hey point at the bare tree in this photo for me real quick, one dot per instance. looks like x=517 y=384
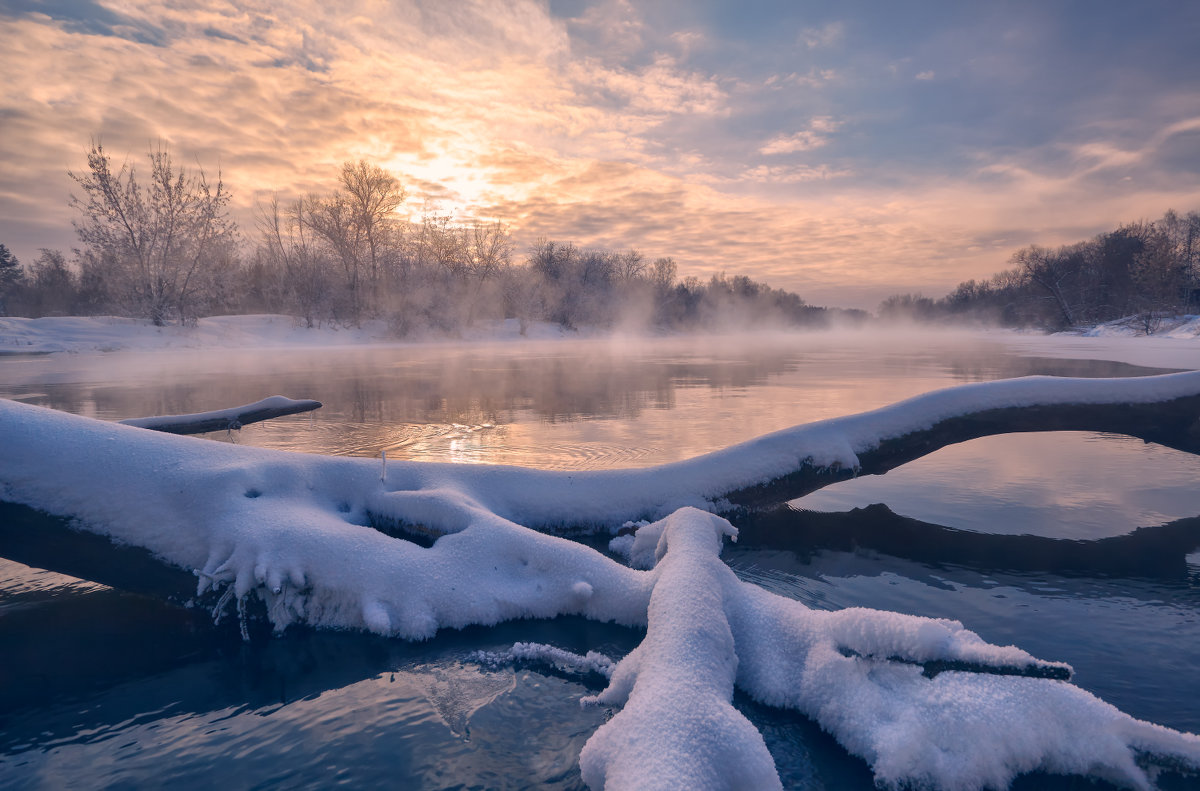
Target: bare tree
x=158 y=237
x=631 y=265
x=372 y=195
x=488 y=249
x=357 y=223
x=289 y=247
x=1053 y=272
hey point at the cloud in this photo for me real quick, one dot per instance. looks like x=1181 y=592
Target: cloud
x=816 y=135
x=827 y=35
x=794 y=174
x=626 y=124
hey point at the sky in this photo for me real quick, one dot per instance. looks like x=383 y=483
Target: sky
x=844 y=150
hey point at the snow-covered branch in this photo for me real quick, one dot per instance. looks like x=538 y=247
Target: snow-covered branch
x=225 y=419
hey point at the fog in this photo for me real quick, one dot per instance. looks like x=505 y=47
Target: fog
x=613 y=400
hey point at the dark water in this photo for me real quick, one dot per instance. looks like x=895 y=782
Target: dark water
x=100 y=688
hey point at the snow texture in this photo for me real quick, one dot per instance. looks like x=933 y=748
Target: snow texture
x=294 y=531
x=678 y=727
x=540 y=653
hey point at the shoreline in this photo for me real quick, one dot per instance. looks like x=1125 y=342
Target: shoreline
x=1177 y=346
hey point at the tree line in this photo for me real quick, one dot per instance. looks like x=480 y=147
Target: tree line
x=1142 y=272
x=165 y=248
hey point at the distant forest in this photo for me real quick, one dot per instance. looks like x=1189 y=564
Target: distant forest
x=163 y=247
x=1142 y=273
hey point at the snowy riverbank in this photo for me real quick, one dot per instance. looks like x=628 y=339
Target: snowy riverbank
x=1176 y=345
x=113 y=333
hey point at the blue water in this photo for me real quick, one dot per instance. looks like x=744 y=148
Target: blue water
x=100 y=688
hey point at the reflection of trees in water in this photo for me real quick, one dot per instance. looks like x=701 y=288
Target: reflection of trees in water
x=425 y=384
x=389 y=397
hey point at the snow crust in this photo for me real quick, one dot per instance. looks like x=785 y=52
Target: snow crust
x=293 y=530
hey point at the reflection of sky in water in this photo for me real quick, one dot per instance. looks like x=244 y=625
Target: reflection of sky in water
x=566 y=405
x=1063 y=484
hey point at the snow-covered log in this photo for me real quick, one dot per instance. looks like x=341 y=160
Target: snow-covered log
x=678 y=727
x=926 y=702
x=94 y=471
x=1160 y=409
x=225 y=419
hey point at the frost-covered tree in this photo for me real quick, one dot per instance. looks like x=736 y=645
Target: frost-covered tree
x=157 y=237
x=358 y=225
x=373 y=195
x=295 y=262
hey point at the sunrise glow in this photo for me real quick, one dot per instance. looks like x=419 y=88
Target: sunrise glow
x=845 y=151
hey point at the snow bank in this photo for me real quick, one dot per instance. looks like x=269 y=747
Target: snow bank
x=112 y=333
x=1134 y=326
x=293 y=530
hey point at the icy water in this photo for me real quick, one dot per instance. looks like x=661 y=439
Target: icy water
x=104 y=689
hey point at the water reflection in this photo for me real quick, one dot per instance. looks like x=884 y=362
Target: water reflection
x=1160 y=552
x=1065 y=484
x=566 y=405
x=107 y=688
x=195 y=707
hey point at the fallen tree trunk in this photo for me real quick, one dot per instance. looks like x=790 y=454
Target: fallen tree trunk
x=225 y=419
x=1173 y=423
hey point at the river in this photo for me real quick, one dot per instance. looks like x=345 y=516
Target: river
x=100 y=688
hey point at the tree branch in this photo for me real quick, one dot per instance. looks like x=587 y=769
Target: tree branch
x=225 y=419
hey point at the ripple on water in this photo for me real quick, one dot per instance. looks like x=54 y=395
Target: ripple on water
x=478 y=443
x=430 y=725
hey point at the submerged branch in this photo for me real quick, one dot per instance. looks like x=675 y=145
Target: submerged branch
x=1158 y=552
x=225 y=419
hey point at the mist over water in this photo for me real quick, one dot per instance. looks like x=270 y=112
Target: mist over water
x=111 y=689
x=611 y=402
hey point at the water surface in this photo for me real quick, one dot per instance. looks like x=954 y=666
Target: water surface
x=105 y=688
